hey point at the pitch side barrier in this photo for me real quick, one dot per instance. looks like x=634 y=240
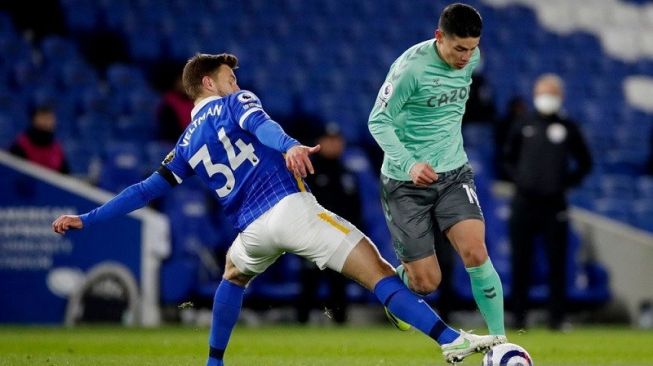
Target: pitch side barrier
x=85 y=275
x=625 y=251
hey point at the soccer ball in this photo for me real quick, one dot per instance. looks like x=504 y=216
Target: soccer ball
x=507 y=354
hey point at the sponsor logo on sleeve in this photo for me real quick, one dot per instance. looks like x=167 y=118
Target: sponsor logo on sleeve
x=168 y=157
x=387 y=89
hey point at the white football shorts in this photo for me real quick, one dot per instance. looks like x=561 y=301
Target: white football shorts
x=296 y=224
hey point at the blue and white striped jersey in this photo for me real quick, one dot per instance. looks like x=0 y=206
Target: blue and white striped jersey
x=220 y=147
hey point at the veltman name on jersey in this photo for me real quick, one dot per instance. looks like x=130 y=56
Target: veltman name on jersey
x=215 y=111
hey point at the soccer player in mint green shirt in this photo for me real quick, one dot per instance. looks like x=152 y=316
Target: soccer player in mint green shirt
x=428 y=186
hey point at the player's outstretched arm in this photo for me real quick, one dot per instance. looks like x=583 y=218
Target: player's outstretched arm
x=272 y=135
x=131 y=198
x=66 y=222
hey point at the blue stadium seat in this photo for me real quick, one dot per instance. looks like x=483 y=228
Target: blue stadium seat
x=94 y=126
x=198 y=238
x=278 y=284
x=643 y=214
x=123 y=77
x=332 y=63
x=630 y=160
x=57 y=50
x=178 y=280
x=138 y=115
x=76 y=75
x=25 y=73
x=15 y=105
x=155 y=152
x=18 y=48
x=114 y=13
x=94 y=100
x=146 y=45
x=136 y=128
x=45 y=95
x=497 y=212
x=645 y=187
x=617 y=186
x=192 y=225
x=184 y=46
x=80 y=15
x=587 y=280
x=80 y=157
x=582 y=198
x=122 y=166
x=8 y=129
x=6 y=24
x=615 y=208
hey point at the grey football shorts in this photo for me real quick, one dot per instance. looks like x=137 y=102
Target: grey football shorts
x=418 y=216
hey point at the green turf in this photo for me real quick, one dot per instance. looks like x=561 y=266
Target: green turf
x=378 y=346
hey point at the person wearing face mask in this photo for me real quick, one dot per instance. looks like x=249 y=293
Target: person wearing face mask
x=544 y=155
x=37 y=143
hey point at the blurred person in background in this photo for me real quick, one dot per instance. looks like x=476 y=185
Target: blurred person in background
x=173 y=114
x=516 y=111
x=545 y=155
x=480 y=105
x=336 y=188
x=38 y=143
x=427 y=182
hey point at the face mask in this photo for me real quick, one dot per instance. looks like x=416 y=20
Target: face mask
x=547 y=104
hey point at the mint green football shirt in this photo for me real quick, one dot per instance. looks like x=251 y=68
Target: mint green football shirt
x=418 y=112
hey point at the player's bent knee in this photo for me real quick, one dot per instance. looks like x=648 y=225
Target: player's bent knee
x=425 y=287
x=378 y=266
x=365 y=265
x=475 y=256
x=237 y=278
x=232 y=274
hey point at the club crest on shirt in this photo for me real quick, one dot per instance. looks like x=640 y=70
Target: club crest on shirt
x=246 y=97
x=556 y=132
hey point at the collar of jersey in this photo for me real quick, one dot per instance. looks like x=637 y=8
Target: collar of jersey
x=436 y=54
x=201 y=105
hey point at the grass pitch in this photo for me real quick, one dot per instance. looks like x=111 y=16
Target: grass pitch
x=314 y=346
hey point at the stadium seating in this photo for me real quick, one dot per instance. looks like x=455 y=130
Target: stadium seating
x=323 y=55
x=122 y=166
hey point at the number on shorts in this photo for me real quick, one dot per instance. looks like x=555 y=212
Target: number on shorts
x=471 y=194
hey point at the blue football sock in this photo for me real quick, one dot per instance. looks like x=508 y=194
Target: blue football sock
x=408 y=307
x=226 y=309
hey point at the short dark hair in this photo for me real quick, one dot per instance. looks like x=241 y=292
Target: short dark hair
x=201 y=65
x=42 y=109
x=460 y=20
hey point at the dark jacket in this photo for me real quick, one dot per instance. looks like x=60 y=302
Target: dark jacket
x=546 y=155
x=336 y=188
